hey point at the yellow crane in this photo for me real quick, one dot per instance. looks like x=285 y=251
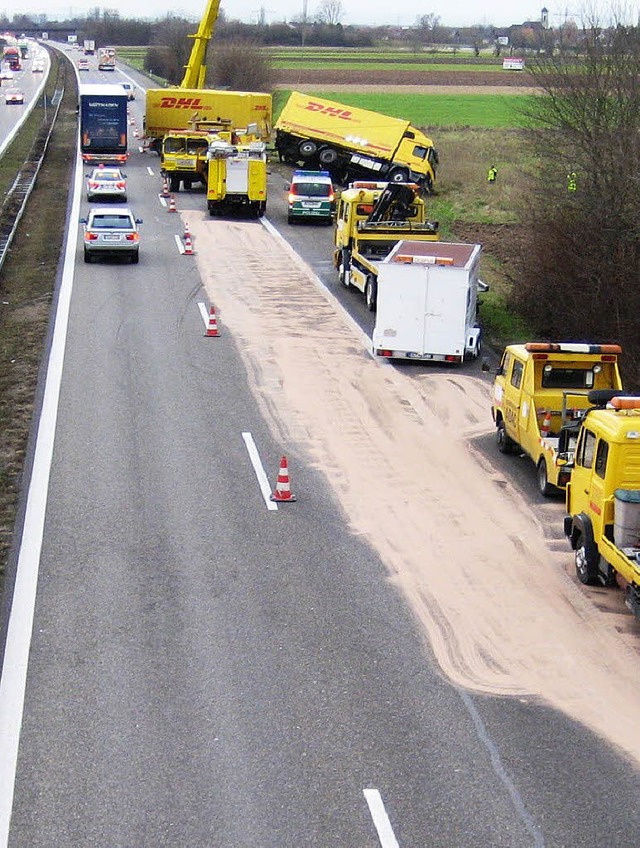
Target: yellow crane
x=196 y=70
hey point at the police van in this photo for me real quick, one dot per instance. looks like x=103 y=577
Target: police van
x=311 y=196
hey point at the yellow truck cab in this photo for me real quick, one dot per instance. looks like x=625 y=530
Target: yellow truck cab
x=183 y=157
x=603 y=499
x=540 y=394
x=371 y=219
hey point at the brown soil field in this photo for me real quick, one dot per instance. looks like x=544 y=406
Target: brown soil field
x=480 y=80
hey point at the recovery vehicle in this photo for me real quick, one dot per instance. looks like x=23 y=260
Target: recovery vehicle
x=540 y=395
x=237 y=177
x=371 y=219
x=353 y=143
x=427 y=302
x=603 y=498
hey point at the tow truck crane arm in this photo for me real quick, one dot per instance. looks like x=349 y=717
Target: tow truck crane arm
x=196 y=70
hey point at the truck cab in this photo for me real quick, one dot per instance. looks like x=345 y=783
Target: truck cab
x=603 y=499
x=540 y=394
x=183 y=157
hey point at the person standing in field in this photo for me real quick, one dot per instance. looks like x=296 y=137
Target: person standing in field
x=492 y=174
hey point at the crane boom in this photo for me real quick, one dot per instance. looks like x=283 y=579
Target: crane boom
x=196 y=69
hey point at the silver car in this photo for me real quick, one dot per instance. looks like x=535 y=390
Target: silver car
x=111 y=231
x=105 y=182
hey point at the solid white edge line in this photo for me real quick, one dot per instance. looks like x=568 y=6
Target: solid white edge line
x=259 y=470
x=380 y=819
x=179 y=243
x=150 y=171
x=13 y=680
x=366 y=342
x=205 y=313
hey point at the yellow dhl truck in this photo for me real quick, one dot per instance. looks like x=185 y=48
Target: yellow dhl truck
x=540 y=394
x=353 y=143
x=603 y=499
x=371 y=219
x=237 y=177
x=170 y=109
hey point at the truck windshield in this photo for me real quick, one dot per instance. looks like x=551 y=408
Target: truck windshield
x=566 y=378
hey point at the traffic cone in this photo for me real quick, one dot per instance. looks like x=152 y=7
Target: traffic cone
x=545 y=429
x=212 y=326
x=188 y=245
x=172 y=204
x=165 y=188
x=283 y=486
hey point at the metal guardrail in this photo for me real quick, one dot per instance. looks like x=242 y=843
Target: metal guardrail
x=16 y=198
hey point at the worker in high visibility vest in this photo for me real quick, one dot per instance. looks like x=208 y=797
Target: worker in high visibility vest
x=572 y=182
x=492 y=174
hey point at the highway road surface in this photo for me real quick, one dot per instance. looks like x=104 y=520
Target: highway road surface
x=207 y=670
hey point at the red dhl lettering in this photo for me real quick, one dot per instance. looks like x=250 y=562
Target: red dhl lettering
x=345 y=114
x=180 y=103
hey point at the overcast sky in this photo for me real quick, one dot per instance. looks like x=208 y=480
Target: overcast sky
x=454 y=13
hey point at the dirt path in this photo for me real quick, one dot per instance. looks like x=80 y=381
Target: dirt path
x=497 y=606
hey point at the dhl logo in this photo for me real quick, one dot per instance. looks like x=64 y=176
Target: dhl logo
x=181 y=103
x=345 y=114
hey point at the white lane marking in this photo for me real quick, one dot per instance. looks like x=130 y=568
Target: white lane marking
x=179 y=243
x=13 y=680
x=150 y=171
x=380 y=819
x=162 y=200
x=260 y=473
x=205 y=313
x=366 y=342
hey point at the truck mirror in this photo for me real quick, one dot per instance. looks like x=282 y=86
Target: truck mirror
x=139 y=221
x=83 y=220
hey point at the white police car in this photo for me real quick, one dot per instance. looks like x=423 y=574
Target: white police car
x=311 y=197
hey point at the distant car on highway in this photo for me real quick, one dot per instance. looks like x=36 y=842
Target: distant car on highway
x=6 y=74
x=14 y=96
x=105 y=182
x=131 y=94
x=110 y=231
x=83 y=65
x=37 y=68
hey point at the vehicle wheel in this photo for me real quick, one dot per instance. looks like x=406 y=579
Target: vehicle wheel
x=290 y=219
x=187 y=184
x=262 y=208
x=371 y=293
x=328 y=156
x=344 y=275
x=546 y=488
x=88 y=257
x=135 y=258
x=174 y=183
x=505 y=444
x=586 y=561
x=307 y=148
x=399 y=175
x=428 y=184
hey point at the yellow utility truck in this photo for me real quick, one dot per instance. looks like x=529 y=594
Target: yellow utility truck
x=237 y=177
x=371 y=219
x=353 y=143
x=603 y=498
x=183 y=157
x=540 y=394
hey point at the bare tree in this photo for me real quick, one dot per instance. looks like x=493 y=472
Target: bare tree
x=330 y=12
x=229 y=68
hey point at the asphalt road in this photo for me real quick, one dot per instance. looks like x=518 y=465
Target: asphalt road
x=25 y=81
x=207 y=672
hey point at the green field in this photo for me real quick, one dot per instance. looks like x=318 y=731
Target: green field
x=433 y=110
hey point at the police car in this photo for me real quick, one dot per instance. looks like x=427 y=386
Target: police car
x=311 y=196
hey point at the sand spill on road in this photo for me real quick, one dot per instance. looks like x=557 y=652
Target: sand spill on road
x=498 y=608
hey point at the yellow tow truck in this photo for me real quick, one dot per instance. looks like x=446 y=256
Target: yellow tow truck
x=540 y=394
x=603 y=499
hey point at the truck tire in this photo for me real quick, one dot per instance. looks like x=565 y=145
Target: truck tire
x=187 y=184
x=307 y=149
x=505 y=444
x=328 y=156
x=398 y=175
x=371 y=293
x=587 y=558
x=546 y=488
x=174 y=183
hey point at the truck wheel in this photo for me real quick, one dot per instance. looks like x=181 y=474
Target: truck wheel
x=399 y=175
x=343 y=269
x=174 y=183
x=307 y=149
x=428 y=184
x=546 y=488
x=187 y=184
x=371 y=293
x=586 y=561
x=328 y=156
x=505 y=444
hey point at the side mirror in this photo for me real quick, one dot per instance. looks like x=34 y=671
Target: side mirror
x=83 y=220
x=287 y=186
x=139 y=221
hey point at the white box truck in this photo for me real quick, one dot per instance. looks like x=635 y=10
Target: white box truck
x=427 y=302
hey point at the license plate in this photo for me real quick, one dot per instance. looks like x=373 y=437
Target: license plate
x=311 y=205
x=110 y=237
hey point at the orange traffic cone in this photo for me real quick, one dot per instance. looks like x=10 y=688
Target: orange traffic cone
x=188 y=244
x=545 y=429
x=165 y=188
x=283 y=486
x=212 y=326
x=172 y=204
